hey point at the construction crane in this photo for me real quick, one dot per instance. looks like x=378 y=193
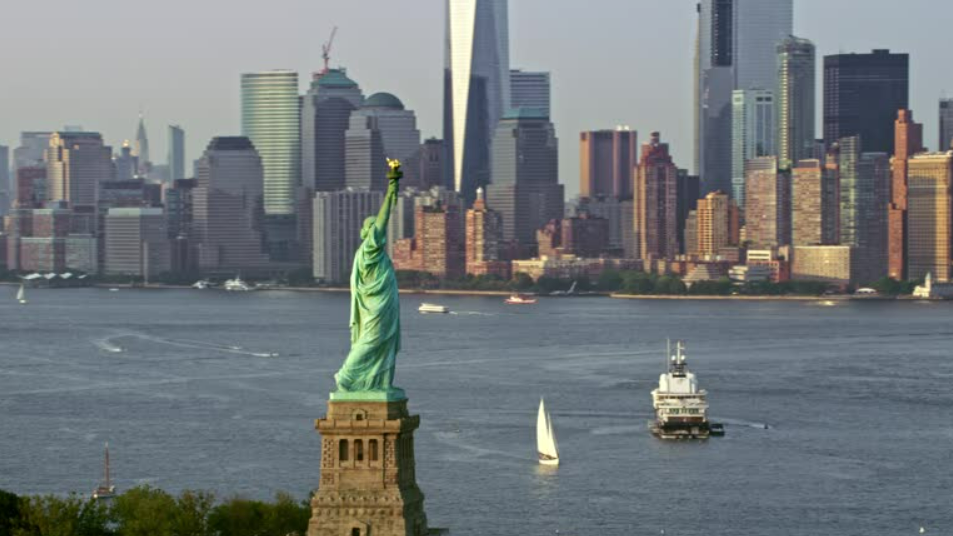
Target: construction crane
x=326 y=51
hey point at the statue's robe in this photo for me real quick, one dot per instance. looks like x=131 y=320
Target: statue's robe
x=375 y=319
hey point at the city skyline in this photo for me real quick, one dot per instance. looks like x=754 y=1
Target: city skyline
x=183 y=83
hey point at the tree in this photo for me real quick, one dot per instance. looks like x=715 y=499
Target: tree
x=609 y=281
x=192 y=512
x=287 y=516
x=54 y=516
x=145 y=511
x=522 y=281
x=238 y=517
x=9 y=512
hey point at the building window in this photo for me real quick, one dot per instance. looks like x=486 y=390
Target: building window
x=342 y=450
x=355 y=532
x=358 y=450
x=372 y=447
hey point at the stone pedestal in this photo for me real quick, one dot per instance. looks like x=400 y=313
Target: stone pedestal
x=368 y=486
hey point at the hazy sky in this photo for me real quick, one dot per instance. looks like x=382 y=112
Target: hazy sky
x=95 y=63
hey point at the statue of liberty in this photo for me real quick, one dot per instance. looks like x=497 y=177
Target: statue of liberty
x=368 y=371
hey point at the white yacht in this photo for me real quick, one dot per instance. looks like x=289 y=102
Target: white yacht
x=546 y=447
x=237 y=285
x=681 y=407
x=202 y=284
x=427 y=308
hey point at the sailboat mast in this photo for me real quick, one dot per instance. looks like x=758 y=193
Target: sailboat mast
x=107 y=465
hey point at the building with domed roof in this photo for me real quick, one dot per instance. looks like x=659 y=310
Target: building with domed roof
x=381 y=128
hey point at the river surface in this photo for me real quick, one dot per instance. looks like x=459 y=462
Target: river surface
x=183 y=385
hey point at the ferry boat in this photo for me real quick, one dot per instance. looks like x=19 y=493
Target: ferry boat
x=106 y=489
x=236 y=285
x=520 y=299
x=546 y=448
x=428 y=308
x=681 y=408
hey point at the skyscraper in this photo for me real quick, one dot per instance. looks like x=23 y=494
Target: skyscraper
x=908 y=141
x=767 y=203
x=753 y=133
x=227 y=208
x=946 y=124
x=864 y=194
x=127 y=165
x=381 y=128
x=529 y=89
x=688 y=192
x=795 y=100
x=484 y=237
x=655 y=199
x=712 y=217
x=525 y=189
x=476 y=87
x=365 y=166
x=325 y=117
x=77 y=162
x=176 y=154
x=5 y=184
x=397 y=125
x=271 y=119
x=141 y=148
x=814 y=204
x=736 y=49
x=32 y=149
x=862 y=93
x=607 y=159
x=437 y=247
x=337 y=230
x=137 y=242
x=929 y=217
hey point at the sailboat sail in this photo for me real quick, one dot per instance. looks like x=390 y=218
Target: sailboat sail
x=545 y=437
x=21 y=294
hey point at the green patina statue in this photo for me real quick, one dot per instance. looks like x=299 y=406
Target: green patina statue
x=368 y=371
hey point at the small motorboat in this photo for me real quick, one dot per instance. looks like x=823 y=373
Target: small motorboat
x=430 y=308
x=520 y=299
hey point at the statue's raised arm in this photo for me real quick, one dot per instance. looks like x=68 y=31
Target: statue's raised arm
x=368 y=371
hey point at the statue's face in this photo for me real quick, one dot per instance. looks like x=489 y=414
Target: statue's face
x=366 y=228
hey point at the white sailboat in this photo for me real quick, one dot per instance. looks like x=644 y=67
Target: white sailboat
x=545 y=438
x=21 y=294
x=106 y=489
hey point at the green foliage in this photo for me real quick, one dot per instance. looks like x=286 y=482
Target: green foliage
x=889 y=286
x=522 y=281
x=191 y=517
x=609 y=281
x=54 y=516
x=144 y=511
x=9 y=511
x=721 y=287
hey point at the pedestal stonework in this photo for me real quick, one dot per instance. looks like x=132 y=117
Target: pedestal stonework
x=368 y=484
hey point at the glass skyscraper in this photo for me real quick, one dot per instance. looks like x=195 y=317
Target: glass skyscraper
x=736 y=49
x=862 y=93
x=530 y=89
x=795 y=101
x=753 y=133
x=477 y=87
x=946 y=124
x=176 y=159
x=271 y=119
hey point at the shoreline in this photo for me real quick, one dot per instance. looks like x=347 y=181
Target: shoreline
x=835 y=298
x=504 y=293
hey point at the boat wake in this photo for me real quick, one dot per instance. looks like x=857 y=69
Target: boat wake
x=745 y=424
x=472 y=313
x=107 y=344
